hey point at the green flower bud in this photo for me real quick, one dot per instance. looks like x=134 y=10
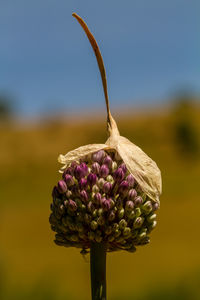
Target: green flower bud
x=87 y=218
x=98 y=238
x=120 y=240
x=137 y=212
x=61 y=209
x=119 y=203
x=101 y=220
x=110 y=179
x=142 y=233
x=151 y=218
x=127 y=231
x=114 y=166
x=95 y=189
x=95 y=213
x=80 y=217
x=82 y=235
x=90 y=207
x=83 y=208
x=79 y=227
x=72 y=227
x=108 y=230
x=74 y=238
x=66 y=203
x=100 y=183
x=91 y=235
x=57 y=215
x=57 y=202
x=121 y=213
x=134 y=233
x=131 y=249
x=68 y=194
x=94 y=225
x=100 y=212
x=115 y=226
x=138 y=222
x=117 y=233
x=147 y=207
x=131 y=215
x=52 y=219
x=78 y=202
x=59 y=237
x=98 y=232
x=152 y=225
x=111 y=238
x=122 y=224
x=63 y=228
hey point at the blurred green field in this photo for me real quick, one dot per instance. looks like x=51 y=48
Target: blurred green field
x=32 y=267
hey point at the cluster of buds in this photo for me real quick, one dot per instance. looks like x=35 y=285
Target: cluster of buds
x=99 y=200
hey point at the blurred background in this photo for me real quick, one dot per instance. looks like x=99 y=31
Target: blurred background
x=51 y=101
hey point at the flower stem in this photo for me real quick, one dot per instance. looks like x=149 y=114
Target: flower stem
x=98 y=270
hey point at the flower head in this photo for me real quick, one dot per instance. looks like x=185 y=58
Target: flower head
x=109 y=192
x=101 y=205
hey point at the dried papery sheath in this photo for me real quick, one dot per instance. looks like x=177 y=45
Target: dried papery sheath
x=108 y=194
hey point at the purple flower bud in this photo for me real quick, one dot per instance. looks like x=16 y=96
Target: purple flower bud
x=98 y=156
x=84 y=195
x=75 y=190
x=84 y=168
x=74 y=164
x=132 y=194
x=123 y=167
x=155 y=206
x=138 y=201
x=118 y=175
x=82 y=183
x=69 y=171
x=55 y=192
x=62 y=187
x=107 y=187
x=72 y=205
x=106 y=204
x=104 y=171
x=130 y=180
x=97 y=198
x=69 y=180
x=95 y=168
x=123 y=187
x=107 y=161
x=79 y=172
x=92 y=178
x=129 y=205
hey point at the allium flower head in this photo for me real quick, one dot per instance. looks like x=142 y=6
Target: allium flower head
x=109 y=192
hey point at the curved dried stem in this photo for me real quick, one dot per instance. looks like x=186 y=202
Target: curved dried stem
x=99 y=61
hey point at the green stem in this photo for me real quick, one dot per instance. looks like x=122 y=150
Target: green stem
x=98 y=270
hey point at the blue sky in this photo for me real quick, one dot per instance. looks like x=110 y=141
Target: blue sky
x=150 y=49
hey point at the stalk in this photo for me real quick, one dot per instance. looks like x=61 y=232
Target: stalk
x=98 y=270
